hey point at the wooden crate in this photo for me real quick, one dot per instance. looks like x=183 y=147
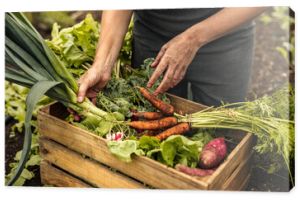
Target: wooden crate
x=73 y=157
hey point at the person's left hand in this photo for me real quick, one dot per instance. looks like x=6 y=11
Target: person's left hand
x=173 y=59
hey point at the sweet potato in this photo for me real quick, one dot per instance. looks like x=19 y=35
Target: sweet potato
x=213 y=153
x=194 y=171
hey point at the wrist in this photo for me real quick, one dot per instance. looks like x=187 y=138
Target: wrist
x=103 y=64
x=198 y=35
x=105 y=58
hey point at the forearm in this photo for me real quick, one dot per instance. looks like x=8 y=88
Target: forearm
x=221 y=23
x=114 y=26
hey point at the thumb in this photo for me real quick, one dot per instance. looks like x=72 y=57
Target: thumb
x=81 y=92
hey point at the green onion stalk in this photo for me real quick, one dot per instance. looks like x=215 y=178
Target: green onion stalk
x=31 y=63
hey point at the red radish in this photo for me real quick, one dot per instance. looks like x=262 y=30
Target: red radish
x=76 y=117
x=194 y=171
x=213 y=153
x=118 y=136
x=115 y=136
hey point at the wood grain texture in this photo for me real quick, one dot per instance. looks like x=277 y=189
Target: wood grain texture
x=244 y=185
x=185 y=106
x=50 y=175
x=238 y=177
x=84 y=168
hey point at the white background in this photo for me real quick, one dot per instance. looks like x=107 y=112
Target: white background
x=42 y=193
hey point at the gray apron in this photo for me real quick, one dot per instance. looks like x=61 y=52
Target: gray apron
x=220 y=71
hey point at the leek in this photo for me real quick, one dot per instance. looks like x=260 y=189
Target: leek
x=31 y=63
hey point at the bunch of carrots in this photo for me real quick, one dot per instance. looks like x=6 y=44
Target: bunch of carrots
x=152 y=123
x=160 y=124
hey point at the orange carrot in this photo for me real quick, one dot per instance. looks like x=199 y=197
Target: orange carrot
x=157 y=103
x=175 y=130
x=154 y=124
x=148 y=115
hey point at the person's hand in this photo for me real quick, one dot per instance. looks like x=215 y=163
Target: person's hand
x=92 y=82
x=173 y=59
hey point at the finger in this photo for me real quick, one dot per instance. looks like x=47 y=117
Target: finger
x=91 y=93
x=80 y=80
x=166 y=82
x=100 y=85
x=178 y=76
x=157 y=72
x=82 y=91
x=158 y=57
x=94 y=100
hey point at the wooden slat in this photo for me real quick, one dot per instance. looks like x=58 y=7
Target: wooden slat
x=141 y=168
x=84 y=168
x=184 y=105
x=239 y=175
x=53 y=176
x=236 y=157
x=244 y=185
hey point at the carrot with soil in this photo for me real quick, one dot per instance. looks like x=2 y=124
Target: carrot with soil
x=154 y=124
x=175 y=130
x=157 y=103
x=148 y=115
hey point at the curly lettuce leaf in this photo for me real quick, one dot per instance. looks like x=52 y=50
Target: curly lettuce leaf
x=179 y=149
x=76 y=45
x=124 y=149
x=176 y=149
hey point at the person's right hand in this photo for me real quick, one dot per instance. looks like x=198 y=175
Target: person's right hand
x=92 y=82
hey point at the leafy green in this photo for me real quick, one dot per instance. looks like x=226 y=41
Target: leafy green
x=34 y=160
x=126 y=50
x=175 y=149
x=202 y=137
x=121 y=94
x=148 y=143
x=178 y=149
x=15 y=97
x=124 y=149
x=75 y=45
x=106 y=103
